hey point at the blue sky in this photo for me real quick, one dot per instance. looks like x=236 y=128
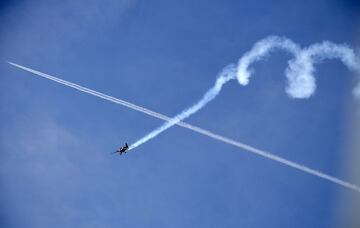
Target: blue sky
x=55 y=164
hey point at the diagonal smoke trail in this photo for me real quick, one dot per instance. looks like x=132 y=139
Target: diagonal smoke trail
x=210 y=134
x=94 y=93
x=226 y=75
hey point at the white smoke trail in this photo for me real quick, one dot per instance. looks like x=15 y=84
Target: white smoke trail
x=94 y=93
x=210 y=134
x=301 y=82
x=226 y=75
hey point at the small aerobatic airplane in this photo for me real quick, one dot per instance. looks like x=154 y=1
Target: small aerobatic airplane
x=122 y=149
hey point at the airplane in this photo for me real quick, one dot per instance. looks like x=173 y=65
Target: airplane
x=122 y=149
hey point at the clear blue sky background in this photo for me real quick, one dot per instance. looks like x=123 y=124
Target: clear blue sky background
x=55 y=164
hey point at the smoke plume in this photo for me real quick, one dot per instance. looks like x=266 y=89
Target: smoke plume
x=299 y=73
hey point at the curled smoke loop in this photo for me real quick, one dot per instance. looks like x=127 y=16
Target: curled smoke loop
x=301 y=82
x=300 y=72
